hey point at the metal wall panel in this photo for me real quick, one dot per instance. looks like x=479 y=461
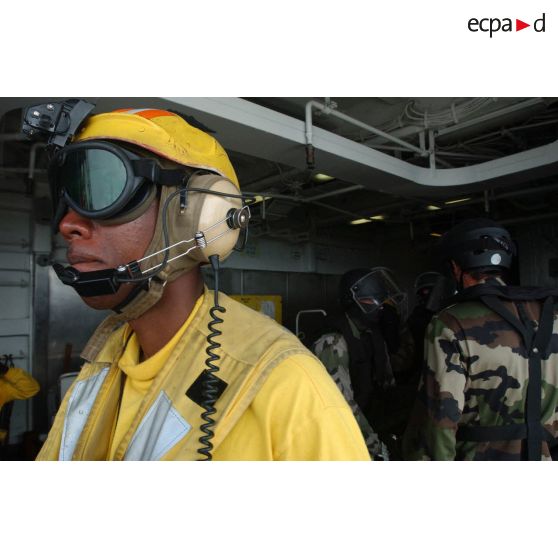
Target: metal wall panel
x=16 y=287
x=265 y=282
x=14 y=230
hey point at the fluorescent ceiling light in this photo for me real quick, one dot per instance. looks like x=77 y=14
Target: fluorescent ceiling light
x=457 y=201
x=435 y=234
x=378 y=217
x=433 y=207
x=360 y=221
x=320 y=177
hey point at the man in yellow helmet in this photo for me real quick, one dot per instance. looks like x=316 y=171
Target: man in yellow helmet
x=177 y=372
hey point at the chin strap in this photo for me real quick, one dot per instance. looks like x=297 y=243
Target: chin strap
x=90 y=283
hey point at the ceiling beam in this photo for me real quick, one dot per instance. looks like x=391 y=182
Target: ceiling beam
x=254 y=130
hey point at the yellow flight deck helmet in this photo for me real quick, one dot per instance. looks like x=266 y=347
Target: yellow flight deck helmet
x=163 y=133
x=104 y=183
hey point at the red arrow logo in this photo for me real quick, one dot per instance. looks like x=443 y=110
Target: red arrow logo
x=519 y=25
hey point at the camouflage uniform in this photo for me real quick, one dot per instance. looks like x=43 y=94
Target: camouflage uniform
x=475 y=374
x=331 y=349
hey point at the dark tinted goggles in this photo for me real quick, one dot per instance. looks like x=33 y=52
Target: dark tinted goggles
x=102 y=181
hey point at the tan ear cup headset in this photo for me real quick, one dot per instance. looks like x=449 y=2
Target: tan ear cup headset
x=223 y=234
x=203 y=219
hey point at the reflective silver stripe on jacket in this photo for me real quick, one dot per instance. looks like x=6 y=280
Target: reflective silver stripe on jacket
x=161 y=429
x=81 y=401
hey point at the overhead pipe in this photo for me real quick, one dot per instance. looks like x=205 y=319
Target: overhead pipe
x=483 y=200
x=490 y=116
x=445 y=209
x=329 y=110
x=507 y=129
x=432 y=149
x=33 y=160
x=438 y=152
x=297 y=199
x=486 y=202
x=336 y=192
x=270 y=180
x=382 y=208
x=529 y=219
x=415 y=129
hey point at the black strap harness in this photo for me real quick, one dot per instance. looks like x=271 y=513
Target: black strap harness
x=536 y=339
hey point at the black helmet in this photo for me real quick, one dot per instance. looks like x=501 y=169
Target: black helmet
x=369 y=289
x=478 y=244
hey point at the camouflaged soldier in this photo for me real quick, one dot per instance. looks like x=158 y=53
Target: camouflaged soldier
x=357 y=350
x=489 y=389
x=332 y=350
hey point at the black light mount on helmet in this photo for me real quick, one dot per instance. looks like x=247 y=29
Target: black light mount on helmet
x=55 y=122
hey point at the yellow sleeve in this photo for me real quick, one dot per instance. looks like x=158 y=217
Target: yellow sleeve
x=17 y=384
x=306 y=414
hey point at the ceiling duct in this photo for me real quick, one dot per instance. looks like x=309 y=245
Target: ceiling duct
x=258 y=131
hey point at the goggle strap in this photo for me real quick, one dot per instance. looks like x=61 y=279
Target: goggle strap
x=183 y=197
x=60 y=211
x=148 y=168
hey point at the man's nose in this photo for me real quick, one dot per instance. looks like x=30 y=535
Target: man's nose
x=73 y=226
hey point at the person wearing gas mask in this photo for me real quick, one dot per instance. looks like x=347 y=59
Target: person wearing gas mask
x=15 y=383
x=489 y=389
x=357 y=350
x=177 y=372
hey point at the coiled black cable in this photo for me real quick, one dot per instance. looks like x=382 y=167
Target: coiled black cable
x=210 y=380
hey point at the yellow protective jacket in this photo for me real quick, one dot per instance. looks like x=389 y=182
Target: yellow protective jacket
x=15 y=384
x=299 y=415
